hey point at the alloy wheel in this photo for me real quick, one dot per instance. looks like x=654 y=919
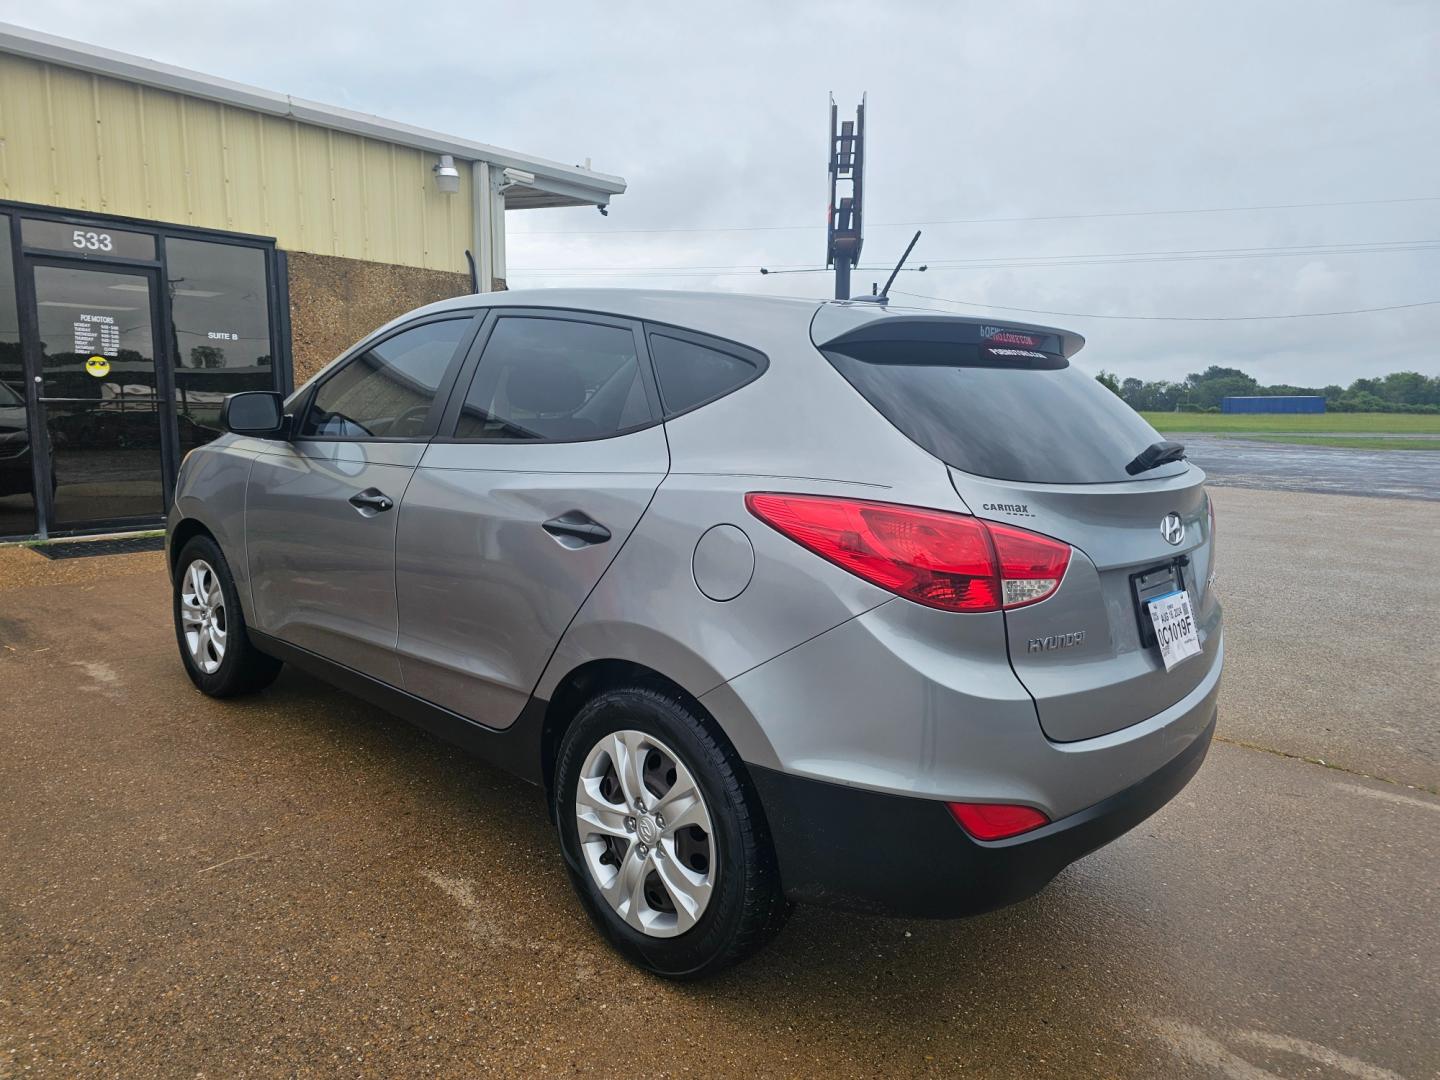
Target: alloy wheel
x=202 y=616
x=646 y=833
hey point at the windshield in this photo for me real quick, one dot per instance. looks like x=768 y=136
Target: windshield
x=1009 y=414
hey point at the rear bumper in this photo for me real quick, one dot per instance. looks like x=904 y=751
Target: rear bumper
x=867 y=851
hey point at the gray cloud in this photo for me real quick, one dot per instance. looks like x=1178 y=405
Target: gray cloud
x=716 y=116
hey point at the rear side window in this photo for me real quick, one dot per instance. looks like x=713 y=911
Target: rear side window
x=557 y=380
x=386 y=391
x=1006 y=413
x=691 y=373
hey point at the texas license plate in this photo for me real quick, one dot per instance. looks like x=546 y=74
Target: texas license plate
x=1175 y=629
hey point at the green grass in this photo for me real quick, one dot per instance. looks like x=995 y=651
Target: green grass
x=1352 y=442
x=1300 y=423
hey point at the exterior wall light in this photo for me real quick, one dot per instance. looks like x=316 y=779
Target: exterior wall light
x=447 y=177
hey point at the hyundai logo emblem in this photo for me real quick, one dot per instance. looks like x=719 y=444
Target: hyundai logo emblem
x=1172 y=529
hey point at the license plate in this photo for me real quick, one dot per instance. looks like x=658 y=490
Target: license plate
x=1175 y=629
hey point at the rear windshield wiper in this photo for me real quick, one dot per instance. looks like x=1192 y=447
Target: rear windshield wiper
x=1154 y=455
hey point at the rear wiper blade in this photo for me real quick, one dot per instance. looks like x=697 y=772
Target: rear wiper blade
x=1154 y=455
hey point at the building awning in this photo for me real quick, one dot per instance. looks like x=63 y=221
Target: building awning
x=553 y=183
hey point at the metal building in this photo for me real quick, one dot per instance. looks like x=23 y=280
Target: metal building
x=1274 y=403
x=168 y=237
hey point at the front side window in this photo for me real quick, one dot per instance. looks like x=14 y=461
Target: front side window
x=557 y=380
x=691 y=374
x=387 y=390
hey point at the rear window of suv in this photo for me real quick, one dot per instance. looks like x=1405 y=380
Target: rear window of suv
x=998 y=410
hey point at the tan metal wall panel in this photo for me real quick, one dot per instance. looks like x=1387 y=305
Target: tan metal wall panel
x=205 y=164
x=25 y=133
x=118 y=116
x=312 y=189
x=244 y=154
x=88 y=142
x=282 y=205
x=165 y=172
x=410 y=212
x=70 y=114
x=382 y=242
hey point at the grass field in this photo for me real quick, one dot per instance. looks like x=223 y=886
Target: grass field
x=1297 y=423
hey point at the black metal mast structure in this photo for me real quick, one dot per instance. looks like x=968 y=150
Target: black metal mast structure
x=844 y=236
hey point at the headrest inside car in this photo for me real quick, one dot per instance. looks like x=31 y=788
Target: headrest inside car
x=545 y=388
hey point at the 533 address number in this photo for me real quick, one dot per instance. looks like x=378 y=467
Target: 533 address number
x=91 y=241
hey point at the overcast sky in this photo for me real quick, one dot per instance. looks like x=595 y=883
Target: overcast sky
x=716 y=115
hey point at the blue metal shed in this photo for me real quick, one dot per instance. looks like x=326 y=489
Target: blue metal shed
x=1278 y=403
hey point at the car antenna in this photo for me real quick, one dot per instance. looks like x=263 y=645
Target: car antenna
x=877 y=294
x=885 y=292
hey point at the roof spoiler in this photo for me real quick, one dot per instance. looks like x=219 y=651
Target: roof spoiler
x=876 y=324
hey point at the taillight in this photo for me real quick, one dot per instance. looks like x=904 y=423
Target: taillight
x=1031 y=565
x=996 y=821
x=949 y=561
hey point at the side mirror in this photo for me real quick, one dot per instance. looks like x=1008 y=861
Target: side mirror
x=254 y=412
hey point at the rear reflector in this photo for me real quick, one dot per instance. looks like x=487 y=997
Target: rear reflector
x=996 y=821
x=953 y=562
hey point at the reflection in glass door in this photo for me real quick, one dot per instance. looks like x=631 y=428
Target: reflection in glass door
x=99 y=395
x=17 y=483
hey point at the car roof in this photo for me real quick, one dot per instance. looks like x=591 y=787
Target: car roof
x=745 y=317
x=663 y=305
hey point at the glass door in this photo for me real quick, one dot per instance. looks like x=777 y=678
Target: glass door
x=101 y=404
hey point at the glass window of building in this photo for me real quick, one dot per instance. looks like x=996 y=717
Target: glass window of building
x=221 y=330
x=17 y=502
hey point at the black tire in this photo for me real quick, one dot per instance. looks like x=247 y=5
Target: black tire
x=746 y=907
x=243 y=669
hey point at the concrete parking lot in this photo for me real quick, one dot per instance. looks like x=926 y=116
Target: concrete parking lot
x=298 y=884
x=1320 y=470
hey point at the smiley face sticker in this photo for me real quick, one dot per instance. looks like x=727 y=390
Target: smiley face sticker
x=98 y=366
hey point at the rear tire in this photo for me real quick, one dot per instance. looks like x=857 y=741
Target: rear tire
x=687 y=897
x=210 y=626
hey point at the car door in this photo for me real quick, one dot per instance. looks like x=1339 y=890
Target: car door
x=321 y=508
x=549 y=453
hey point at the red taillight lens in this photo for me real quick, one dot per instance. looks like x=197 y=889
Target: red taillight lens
x=1031 y=565
x=996 y=821
x=947 y=561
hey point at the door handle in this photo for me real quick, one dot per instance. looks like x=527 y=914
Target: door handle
x=376 y=502
x=578 y=526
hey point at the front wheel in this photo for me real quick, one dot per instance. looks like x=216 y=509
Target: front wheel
x=663 y=839
x=210 y=627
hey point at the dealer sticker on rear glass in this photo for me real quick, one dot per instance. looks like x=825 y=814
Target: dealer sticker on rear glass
x=1175 y=627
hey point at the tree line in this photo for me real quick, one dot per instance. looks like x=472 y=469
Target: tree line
x=1400 y=391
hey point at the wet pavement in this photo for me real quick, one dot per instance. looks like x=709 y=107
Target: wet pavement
x=1325 y=470
x=298 y=884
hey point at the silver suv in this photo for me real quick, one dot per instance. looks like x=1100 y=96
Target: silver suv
x=779 y=600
